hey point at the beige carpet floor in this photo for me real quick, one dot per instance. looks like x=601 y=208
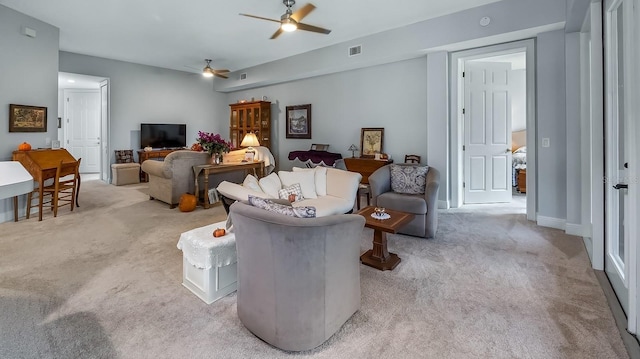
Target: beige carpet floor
x=105 y=282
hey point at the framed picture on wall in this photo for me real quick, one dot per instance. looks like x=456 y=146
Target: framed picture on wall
x=299 y=121
x=27 y=118
x=371 y=141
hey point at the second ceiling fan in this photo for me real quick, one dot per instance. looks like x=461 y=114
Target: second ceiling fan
x=290 y=21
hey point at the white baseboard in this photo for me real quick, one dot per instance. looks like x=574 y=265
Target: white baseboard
x=574 y=229
x=443 y=204
x=551 y=222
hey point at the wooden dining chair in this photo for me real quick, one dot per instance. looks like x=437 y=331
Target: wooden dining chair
x=411 y=159
x=60 y=193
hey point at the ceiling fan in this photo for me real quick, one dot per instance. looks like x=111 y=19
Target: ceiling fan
x=209 y=72
x=290 y=21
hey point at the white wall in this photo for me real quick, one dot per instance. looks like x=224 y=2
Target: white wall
x=29 y=70
x=149 y=94
x=392 y=96
x=551 y=114
x=438 y=121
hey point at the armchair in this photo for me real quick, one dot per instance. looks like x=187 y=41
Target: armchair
x=298 y=278
x=423 y=206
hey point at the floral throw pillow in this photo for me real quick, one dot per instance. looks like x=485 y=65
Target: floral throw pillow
x=293 y=189
x=287 y=210
x=408 y=179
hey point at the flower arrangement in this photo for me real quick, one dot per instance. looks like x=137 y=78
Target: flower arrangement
x=213 y=143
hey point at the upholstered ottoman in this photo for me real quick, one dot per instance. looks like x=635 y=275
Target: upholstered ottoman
x=125 y=173
x=208 y=263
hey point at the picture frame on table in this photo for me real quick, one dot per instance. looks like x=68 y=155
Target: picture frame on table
x=298 y=121
x=371 y=141
x=24 y=118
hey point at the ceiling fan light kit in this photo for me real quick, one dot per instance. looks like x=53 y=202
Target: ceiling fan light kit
x=209 y=72
x=291 y=21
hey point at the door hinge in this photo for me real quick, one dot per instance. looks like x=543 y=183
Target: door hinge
x=463 y=148
x=463 y=185
x=67 y=99
x=462 y=73
x=463 y=111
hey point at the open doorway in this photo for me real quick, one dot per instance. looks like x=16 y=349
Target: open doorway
x=493 y=101
x=83 y=112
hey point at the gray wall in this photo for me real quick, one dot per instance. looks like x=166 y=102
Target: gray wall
x=149 y=94
x=29 y=70
x=392 y=96
x=438 y=130
x=551 y=114
x=519 y=100
x=574 y=177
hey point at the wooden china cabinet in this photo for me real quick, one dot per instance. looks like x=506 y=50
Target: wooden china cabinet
x=250 y=117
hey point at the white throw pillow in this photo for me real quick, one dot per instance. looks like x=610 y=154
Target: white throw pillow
x=294 y=190
x=305 y=178
x=252 y=183
x=320 y=178
x=271 y=185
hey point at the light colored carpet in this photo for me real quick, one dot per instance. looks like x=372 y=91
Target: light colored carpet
x=105 y=282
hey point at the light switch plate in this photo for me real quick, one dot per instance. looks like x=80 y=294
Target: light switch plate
x=545 y=142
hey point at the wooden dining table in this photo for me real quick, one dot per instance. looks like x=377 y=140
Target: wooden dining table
x=42 y=165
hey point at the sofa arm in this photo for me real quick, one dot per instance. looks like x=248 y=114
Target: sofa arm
x=157 y=168
x=380 y=182
x=238 y=192
x=343 y=184
x=431 y=197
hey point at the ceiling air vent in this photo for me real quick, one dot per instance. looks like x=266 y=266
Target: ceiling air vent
x=355 y=50
x=243 y=76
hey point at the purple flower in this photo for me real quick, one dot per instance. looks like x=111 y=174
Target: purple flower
x=213 y=143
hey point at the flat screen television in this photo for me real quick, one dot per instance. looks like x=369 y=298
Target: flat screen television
x=163 y=135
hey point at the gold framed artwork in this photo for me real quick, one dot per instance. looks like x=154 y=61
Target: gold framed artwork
x=27 y=118
x=371 y=140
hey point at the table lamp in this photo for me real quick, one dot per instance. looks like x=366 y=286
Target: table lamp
x=353 y=150
x=250 y=140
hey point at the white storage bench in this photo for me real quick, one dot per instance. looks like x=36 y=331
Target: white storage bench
x=209 y=266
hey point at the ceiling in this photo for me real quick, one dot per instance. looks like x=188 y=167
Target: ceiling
x=180 y=35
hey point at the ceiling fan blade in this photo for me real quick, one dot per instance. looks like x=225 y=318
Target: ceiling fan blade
x=277 y=33
x=261 y=18
x=312 y=28
x=299 y=14
x=221 y=71
x=220 y=75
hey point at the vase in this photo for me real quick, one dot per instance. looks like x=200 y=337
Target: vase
x=216 y=158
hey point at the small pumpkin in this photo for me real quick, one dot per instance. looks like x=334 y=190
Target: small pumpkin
x=187 y=202
x=24 y=146
x=219 y=232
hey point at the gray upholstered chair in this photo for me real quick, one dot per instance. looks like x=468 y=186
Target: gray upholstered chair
x=298 y=278
x=423 y=206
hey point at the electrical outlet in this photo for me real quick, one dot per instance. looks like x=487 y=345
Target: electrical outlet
x=545 y=142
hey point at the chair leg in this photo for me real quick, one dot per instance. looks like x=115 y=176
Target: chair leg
x=15 y=208
x=368 y=198
x=41 y=192
x=29 y=198
x=358 y=200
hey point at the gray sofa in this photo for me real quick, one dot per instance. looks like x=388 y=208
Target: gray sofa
x=424 y=207
x=298 y=279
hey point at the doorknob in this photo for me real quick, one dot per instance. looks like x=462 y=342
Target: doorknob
x=621 y=186
x=507 y=150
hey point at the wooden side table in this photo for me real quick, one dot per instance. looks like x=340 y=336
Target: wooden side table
x=379 y=257
x=257 y=167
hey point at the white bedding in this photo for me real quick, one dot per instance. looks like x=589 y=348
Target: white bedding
x=518 y=162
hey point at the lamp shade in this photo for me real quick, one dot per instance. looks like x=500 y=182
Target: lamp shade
x=353 y=148
x=250 y=140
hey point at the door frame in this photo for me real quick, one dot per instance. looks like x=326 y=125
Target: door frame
x=105 y=172
x=457 y=60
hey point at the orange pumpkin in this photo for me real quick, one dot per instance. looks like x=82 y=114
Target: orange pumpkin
x=219 y=232
x=24 y=147
x=187 y=202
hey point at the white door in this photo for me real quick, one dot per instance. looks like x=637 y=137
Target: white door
x=82 y=111
x=617 y=140
x=487 y=132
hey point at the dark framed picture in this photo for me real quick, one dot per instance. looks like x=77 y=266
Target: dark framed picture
x=27 y=118
x=371 y=140
x=299 y=121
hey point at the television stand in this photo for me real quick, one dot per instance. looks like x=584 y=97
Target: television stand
x=157 y=154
